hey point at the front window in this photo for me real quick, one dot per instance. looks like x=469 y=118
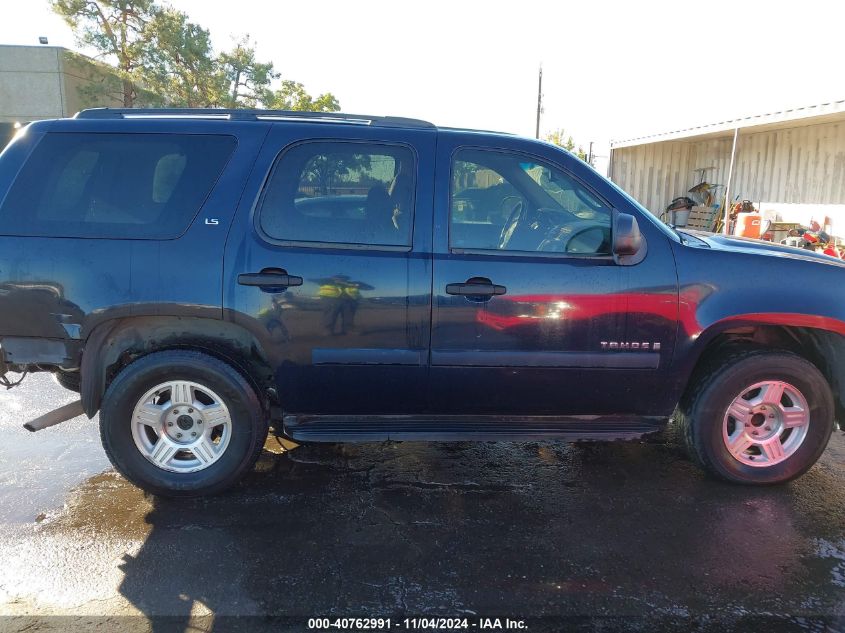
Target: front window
x=503 y=202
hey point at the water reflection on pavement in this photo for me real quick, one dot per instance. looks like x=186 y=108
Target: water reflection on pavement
x=630 y=531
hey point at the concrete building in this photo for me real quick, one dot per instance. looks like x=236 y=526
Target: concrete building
x=44 y=82
x=791 y=164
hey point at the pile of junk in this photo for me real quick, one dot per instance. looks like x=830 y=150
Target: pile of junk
x=701 y=210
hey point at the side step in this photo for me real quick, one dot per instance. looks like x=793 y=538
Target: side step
x=373 y=428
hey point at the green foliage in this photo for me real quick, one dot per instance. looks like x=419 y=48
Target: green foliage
x=324 y=170
x=160 y=57
x=117 y=30
x=292 y=96
x=181 y=64
x=248 y=79
x=580 y=153
x=559 y=138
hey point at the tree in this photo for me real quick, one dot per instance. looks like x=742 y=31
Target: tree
x=248 y=79
x=580 y=153
x=160 y=57
x=324 y=170
x=292 y=96
x=559 y=138
x=117 y=30
x=181 y=64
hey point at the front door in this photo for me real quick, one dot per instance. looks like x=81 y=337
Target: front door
x=332 y=273
x=531 y=313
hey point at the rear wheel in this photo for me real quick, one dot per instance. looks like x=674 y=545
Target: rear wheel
x=758 y=417
x=181 y=423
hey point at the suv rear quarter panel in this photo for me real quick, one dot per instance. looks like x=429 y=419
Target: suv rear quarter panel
x=62 y=288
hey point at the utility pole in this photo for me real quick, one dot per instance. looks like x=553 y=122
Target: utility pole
x=539 y=102
x=590 y=154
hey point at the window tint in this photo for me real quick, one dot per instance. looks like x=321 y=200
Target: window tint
x=502 y=201
x=341 y=192
x=147 y=186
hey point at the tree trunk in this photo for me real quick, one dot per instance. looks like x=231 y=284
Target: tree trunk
x=128 y=90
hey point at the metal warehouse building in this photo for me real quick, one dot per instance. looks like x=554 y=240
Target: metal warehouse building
x=790 y=163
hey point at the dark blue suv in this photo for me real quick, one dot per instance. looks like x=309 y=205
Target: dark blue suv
x=202 y=275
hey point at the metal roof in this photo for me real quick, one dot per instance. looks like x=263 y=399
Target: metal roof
x=820 y=113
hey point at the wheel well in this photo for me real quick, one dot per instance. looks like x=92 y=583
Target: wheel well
x=115 y=345
x=824 y=349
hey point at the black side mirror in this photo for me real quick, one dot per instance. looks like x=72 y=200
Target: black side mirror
x=628 y=242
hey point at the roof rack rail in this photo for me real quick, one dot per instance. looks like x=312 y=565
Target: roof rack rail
x=249 y=115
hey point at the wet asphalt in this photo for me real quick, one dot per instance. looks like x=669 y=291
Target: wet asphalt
x=622 y=536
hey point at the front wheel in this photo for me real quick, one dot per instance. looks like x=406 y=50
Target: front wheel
x=182 y=423
x=759 y=418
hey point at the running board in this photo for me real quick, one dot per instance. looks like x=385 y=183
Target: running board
x=374 y=428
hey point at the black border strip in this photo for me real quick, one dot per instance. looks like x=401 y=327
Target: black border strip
x=360 y=356
x=587 y=360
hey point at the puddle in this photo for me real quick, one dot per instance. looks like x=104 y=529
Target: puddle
x=38 y=469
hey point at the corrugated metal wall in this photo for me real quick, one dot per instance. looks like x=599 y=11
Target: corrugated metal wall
x=803 y=164
x=798 y=165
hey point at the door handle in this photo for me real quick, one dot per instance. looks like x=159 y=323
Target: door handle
x=475 y=289
x=269 y=279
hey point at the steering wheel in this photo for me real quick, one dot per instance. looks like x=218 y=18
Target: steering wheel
x=514 y=220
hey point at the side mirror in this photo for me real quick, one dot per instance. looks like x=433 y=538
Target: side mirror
x=628 y=242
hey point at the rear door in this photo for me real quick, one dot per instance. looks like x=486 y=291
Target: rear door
x=531 y=313
x=329 y=266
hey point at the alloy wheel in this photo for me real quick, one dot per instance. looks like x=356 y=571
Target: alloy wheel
x=181 y=426
x=766 y=423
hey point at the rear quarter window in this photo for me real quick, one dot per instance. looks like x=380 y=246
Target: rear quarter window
x=133 y=186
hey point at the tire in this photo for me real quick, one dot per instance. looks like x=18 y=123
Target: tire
x=723 y=409
x=69 y=381
x=133 y=422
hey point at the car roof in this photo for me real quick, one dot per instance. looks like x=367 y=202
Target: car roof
x=220 y=114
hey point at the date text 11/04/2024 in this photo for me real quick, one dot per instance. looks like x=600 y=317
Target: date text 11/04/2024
x=435 y=624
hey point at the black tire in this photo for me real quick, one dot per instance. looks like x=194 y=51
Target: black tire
x=248 y=421
x=68 y=380
x=701 y=414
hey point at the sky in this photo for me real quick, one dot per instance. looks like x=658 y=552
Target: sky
x=611 y=70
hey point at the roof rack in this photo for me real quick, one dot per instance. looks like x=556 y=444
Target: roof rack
x=249 y=115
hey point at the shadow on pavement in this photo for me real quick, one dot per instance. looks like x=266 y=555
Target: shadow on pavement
x=608 y=536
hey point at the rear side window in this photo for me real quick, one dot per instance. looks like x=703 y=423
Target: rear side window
x=142 y=186
x=341 y=192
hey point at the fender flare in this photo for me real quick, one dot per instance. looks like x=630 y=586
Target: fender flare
x=109 y=343
x=92 y=373
x=826 y=346
x=753 y=319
